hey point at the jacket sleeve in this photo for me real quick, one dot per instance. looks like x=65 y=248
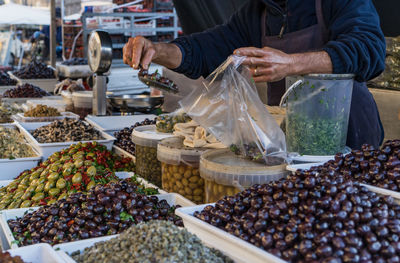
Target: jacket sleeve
x=357 y=44
x=205 y=51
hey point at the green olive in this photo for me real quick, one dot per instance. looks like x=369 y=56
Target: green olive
x=30 y=189
x=25 y=181
x=12 y=205
x=26 y=203
x=54 y=191
x=3 y=206
x=78 y=163
x=77 y=178
x=38 y=197
x=67 y=172
x=41 y=180
x=65 y=158
x=6 y=201
x=61 y=183
x=90 y=185
x=34 y=182
x=46 y=163
x=11 y=188
x=88 y=162
x=52 y=201
x=26 y=196
x=40 y=170
x=34 y=175
x=50 y=184
x=44 y=173
x=39 y=188
x=18 y=194
x=91 y=155
x=53 y=176
x=91 y=171
x=62 y=196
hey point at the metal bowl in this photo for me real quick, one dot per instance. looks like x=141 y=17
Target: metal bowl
x=136 y=102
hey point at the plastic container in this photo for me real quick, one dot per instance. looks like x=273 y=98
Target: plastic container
x=67 y=99
x=317 y=114
x=21 y=118
x=38 y=253
x=111 y=124
x=146 y=139
x=5 y=215
x=180 y=169
x=227 y=174
x=47 y=149
x=83 y=103
x=12 y=168
x=74 y=71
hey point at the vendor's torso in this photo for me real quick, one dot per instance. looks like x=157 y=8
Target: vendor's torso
x=364 y=124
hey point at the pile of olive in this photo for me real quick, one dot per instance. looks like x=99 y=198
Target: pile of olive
x=75 y=62
x=314 y=218
x=66 y=130
x=78 y=168
x=25 y=91
x=42 y=111
x=5 y=79
x=147 y=164
x=183 y=179
x=215 y=191
x=378 y=167
x=124 y=136
x=104 y=210
x=35 y=70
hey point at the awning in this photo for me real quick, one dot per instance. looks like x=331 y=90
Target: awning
x=13 y=14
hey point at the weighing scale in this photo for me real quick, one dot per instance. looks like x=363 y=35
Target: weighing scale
x=99 y=59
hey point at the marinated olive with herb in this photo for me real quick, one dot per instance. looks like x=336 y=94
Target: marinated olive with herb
x=147 y=165
x=42 y=111
x=59 y=177
x=103 y=210
x=165 y=123
x=14 y=145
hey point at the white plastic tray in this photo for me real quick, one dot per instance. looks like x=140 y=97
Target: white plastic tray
x=4 y=88
x=111 y=124
x=124 y=175
x=38 y=253
x=22 y=100
x=233 y=246
x=304 y=166
x=315 y=158
x=123 y=153
x=5 y=215
x=47 y=149
x=45 y=84
x=9 y=169
x=19 y=117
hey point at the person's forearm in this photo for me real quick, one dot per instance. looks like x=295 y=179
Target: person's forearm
x=311 y=62
x=168 y=55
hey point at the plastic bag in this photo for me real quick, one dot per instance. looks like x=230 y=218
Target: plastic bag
x=229 y=107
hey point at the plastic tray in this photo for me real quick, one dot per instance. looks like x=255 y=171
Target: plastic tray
x=233 y=246
x=45 y=84
x=38 y=253
x=5 y=215
x=4 y=88
x=9 y=169
x=23 y=100
x=123 y=153
x=21 y=118
x=305 y=166
x=47 y=149
x=124 y=175
x=75 y=71
x=116 y=123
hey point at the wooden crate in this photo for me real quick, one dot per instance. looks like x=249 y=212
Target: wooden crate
x=388 y=102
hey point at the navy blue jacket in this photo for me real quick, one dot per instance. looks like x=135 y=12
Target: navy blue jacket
x=356 y=42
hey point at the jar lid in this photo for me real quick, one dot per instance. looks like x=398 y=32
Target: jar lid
x=173 y=151
x=226 y=168
x=83 y=94
x=148 y=136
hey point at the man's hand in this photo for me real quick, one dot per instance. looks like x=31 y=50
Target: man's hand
x=270 y=65
x=140 y=52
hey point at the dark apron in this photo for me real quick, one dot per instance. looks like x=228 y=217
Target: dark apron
x=364 y=125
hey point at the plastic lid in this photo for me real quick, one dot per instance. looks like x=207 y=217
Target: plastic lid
x=172 y=151
x=83 y=94
x=148 y=136
x=226 y=168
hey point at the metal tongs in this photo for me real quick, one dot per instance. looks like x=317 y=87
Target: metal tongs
x=157 y=81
